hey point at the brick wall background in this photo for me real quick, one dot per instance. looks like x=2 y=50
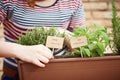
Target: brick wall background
x=97 y=12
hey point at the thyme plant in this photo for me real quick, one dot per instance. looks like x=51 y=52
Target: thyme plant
x=38 y=36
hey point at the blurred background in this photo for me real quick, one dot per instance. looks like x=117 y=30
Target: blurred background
x=97 y=12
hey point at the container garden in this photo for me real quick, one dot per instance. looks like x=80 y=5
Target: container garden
x=84 y=67
x=87 y=62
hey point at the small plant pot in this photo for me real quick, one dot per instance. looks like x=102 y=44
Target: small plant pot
x=96 y=68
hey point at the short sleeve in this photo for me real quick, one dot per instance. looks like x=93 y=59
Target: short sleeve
x=2 y=11
x=78 y=18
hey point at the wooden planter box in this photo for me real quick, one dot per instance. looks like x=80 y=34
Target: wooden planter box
x=97 y=68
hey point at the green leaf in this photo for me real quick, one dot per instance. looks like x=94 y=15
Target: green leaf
x=91 y=46
x=87 y=52
x=100 y=46
x=105 y=37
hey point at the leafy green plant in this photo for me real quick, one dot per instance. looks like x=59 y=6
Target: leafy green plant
x=116 y=29
x=97 y=40
x=38 y=36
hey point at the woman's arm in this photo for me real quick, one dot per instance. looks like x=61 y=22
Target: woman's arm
x=37 y=54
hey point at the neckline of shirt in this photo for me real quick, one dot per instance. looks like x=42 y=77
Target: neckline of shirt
x=47 y=6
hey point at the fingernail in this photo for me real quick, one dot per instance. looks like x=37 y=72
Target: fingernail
x=42 y=66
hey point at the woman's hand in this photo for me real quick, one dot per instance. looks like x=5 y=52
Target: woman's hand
x=36 y=54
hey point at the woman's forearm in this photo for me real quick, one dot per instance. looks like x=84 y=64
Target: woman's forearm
x=8 y=49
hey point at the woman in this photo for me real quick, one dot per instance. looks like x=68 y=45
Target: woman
x=18 y=16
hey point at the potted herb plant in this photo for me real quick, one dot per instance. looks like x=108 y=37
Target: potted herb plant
x=87 y=62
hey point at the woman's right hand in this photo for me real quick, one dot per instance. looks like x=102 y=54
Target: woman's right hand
x=36 y=54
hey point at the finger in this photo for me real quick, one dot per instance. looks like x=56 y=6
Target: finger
x=46 y=49
x=38 y=63
x=43 y=51
x=42 y=47
x=47 y=54
x=42 y=58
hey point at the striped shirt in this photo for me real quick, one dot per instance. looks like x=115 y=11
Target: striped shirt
x=17 y=17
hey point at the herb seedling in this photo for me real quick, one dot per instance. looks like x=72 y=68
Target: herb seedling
x=97 y=40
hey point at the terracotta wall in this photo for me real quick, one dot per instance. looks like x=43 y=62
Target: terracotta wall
x=97 y=12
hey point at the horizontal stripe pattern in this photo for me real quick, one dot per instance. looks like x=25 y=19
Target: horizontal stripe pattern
x=64 y=13
x=23 y=17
